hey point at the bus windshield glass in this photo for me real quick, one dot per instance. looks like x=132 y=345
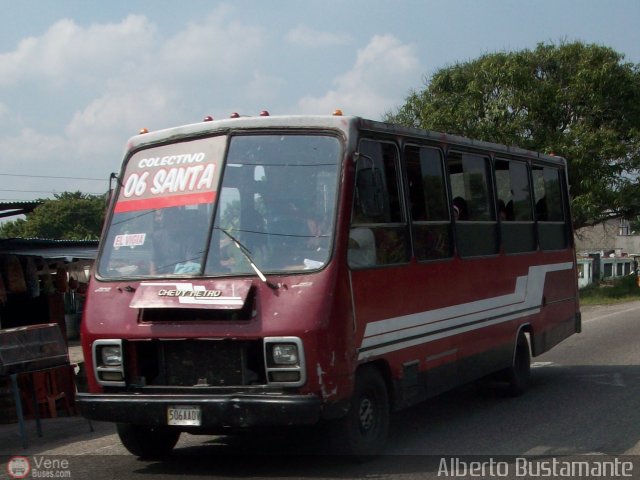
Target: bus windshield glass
x=185 y=210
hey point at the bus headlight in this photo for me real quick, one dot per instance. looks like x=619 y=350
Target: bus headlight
x=284 y=361
x=111 y=355
x=284 y=354
x=108 y=362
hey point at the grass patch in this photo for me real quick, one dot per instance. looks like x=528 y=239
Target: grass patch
x=608 y=292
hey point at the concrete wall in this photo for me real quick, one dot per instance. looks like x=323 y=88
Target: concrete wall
x=605 y=237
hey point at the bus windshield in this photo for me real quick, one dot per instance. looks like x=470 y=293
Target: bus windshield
x=184 y=209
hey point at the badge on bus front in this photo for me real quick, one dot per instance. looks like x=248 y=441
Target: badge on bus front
x=221 y=294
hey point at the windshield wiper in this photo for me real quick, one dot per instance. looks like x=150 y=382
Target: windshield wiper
x=247 y=254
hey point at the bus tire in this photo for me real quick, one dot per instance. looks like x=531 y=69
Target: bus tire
x=519 y=374
x=147 y=442
x=363 y=431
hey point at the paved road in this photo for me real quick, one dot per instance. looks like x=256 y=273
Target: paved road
x=584 y=400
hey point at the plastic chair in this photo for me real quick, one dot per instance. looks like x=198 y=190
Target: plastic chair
x=48 y=394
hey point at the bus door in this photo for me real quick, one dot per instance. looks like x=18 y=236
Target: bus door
x=378 y=250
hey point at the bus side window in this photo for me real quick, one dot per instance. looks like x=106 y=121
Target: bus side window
x=470 y=177
x=378 y=233
x=517 y=228
x=430 y=220
x=549 y=198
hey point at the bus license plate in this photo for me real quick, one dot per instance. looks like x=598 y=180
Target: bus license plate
x=184 y=415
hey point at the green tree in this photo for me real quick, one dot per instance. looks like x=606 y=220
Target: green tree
x=69 y=216
x=578 y=101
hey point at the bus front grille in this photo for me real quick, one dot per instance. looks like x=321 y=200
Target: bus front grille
x=187 y=363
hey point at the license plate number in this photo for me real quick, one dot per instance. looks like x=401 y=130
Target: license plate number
x=184 y=415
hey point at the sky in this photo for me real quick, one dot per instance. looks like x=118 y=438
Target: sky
x=79 y=78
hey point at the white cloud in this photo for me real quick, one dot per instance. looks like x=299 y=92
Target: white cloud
x=114 y=117
x=214 y=46
x=175 y=82
x=139 y=78
x=99 y=68
x=67 y=54
x=33 y=153
x=112 y=79
x=305 y=36
x=378 y=81
x=263 y=89
x=32 y=145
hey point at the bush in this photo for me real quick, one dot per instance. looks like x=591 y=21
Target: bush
x=611 y=291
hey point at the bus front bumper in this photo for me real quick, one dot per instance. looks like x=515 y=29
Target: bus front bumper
x=217 y=411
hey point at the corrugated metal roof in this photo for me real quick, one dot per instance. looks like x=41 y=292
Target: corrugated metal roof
x=64 y=249
x=9 y=209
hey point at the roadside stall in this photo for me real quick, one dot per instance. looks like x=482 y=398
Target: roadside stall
x=42 y=286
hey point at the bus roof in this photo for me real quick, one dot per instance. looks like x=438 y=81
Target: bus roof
x=347 y=124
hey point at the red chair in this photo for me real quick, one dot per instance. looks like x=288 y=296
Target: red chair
x=48 y=394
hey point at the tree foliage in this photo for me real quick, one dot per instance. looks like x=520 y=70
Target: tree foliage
x=575 y=100
x=69 y=216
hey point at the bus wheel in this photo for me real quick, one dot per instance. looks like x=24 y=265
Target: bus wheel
x=363 y=431
x=147 y=442
x=519 y=374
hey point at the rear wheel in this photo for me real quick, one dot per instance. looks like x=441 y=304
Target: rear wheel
x=519 y=374
x=363 y=431
x=148 y=442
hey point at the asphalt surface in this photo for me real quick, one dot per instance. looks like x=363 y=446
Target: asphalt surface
x=583 y=404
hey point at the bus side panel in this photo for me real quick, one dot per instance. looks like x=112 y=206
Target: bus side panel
x=560 y=317
x=429 y=317
x=443 y=324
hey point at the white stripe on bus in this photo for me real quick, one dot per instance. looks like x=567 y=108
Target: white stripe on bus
x=396 y=333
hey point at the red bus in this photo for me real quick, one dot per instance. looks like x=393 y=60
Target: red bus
x=297 y=270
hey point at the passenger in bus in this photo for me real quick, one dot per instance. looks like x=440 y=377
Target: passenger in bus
x=505 y=211
x=542 y=212
x=502 y=211
x=252 y=233
x=313 y=231
x=173 y=251
x=317 y=243
x=511 y=215
x=460 y=211
x=309 y=227
x=299 y=233
x=163 y=230
x=435 y=242
x=190 y=254
x=362 y=248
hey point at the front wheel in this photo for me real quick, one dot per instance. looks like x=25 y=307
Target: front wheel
x=363 y=431
x=148 y=442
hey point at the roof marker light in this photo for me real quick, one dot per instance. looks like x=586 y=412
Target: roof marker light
x=264 y=113
x=235 y=115
x=208 y=118
x=143 y=131
x=337 y=112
